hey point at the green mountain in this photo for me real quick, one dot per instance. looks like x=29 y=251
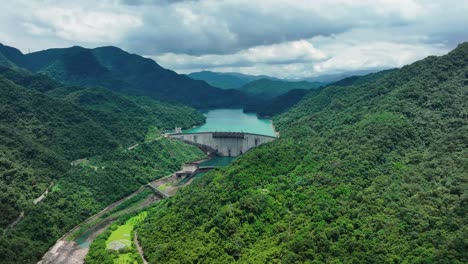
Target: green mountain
x=364 y=173
x=260 y=88
x=233 y=80
x=278 y=104
x=265 y=89
x=331 y=78
x=115 y=69
x=45 y=125
x=222 y=80
x=283 y=102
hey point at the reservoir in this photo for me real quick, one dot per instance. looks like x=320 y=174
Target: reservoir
x=234 y=120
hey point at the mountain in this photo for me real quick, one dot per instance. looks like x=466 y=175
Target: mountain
x=283 y=102
x=227 y=80
x=115 y=69
x=221 y=80
x=278 y=104
x=331 y=78
x=45 y=125
x=265 y=89
x=363 y=173
x=233 y=80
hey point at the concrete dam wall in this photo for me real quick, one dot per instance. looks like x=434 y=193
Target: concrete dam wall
x=227 y=144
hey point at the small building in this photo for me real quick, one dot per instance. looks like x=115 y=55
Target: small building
x=188 y=170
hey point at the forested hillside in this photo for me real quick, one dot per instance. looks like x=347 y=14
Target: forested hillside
x=265 y=89
x=222 y=80
x=283 y=102
x=278 y=104
x=363 y=173
x=115 y=69
x=45 y=125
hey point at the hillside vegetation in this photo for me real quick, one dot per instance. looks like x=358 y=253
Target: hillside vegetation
x=222 y=80
x=46 y=126
x=115 y=69
x=265 y=89
x=363 y=173
x=283 y=102
x=278 y=104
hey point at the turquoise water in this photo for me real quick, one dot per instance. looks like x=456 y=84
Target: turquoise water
x=234 y=120
x=81 y=240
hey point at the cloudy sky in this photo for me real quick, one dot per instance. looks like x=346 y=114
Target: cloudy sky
x=283 y=38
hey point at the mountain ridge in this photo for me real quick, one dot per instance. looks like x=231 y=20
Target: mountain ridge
x=115 y=69
x=371 y=172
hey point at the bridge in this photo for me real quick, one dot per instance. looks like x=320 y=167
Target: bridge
x=225 y=144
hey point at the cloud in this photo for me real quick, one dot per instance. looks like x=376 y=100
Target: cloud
x=220 y=27
x=88 y=26
x=280 y=37
x=301 y=59
x=283 y=53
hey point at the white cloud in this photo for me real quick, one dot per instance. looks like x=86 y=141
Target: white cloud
x=373 y=55
x=283 y=53
x=87 y=26
x=278 y=37
x=299 y=59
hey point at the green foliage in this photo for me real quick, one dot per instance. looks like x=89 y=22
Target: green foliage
x=115 y=69
x=371 y=172
x=277 y=105
x=99 y=252
x=44 y=126
x=222 y=80
x=265 y=89
x=283 y=102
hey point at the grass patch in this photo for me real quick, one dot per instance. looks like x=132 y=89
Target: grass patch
x=164 y=186
x=56 y=188
x=122 y=237
x=152 y=134
x=125 y=259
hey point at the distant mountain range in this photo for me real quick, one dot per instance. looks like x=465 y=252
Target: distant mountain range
x=233 y=80
x=227 y=80
x=259 y=88
x=265 y=89
x=113 y=68
x=330 y=78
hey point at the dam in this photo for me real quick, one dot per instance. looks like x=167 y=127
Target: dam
x=227 y=133
x=224 y=144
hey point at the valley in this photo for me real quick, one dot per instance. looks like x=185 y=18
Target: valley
x=233 y=132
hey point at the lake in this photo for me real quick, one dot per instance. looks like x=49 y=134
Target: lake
x=234 y=120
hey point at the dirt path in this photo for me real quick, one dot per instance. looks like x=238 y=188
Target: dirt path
x=136 y=145
x=69 y=252
x=140 y=250
x=44 y=194
x=17 y=220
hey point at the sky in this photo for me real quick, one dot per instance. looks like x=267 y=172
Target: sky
x=282 y=38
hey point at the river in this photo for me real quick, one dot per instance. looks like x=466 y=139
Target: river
x=234 y=120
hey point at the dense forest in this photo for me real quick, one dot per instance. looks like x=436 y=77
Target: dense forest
x=278 y=104
x=223 y=80
x=233 y=80
x=115 y=69
x=284 y=101
x=73 y=142
x=265 y=89
x=371 y=172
